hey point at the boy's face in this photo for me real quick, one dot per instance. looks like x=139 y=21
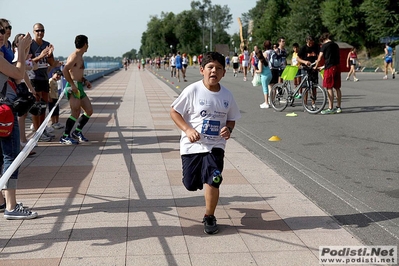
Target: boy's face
x=213 y=72
x=295 y=49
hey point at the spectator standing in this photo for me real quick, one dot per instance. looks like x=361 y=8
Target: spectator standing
x=265 y=76
x=42 y=54
x=10 y=146
x=332 y=72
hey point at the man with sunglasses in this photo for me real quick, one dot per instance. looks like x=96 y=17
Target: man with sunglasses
x=42 y=54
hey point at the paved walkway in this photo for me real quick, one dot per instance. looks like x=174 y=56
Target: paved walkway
x=118 y=200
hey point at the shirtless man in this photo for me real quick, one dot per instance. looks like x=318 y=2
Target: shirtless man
x=73 y=73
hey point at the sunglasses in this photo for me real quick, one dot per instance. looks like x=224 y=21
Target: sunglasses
x=42 y=30
x=8 y=27
x=2 y=31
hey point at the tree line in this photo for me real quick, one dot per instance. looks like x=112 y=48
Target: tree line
x=361 y=23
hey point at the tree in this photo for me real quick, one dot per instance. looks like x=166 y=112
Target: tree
x=342 y=19
x=304 y=19
x=381 y=17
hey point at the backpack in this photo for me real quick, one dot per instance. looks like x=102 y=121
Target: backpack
x=6 y=115
x=275 y=60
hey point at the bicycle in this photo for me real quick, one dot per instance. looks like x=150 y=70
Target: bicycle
x=314 y=97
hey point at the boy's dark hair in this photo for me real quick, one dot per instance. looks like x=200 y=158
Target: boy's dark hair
x=325 y=36
x=295 y=45
x=213 y=56
x=80 y=41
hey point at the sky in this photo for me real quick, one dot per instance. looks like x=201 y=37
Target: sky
x=114 y=27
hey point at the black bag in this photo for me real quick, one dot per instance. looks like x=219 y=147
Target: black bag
x=38 y=107
x=24 y=100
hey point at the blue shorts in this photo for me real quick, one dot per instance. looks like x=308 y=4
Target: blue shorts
x=388 y=60
x=200 y=168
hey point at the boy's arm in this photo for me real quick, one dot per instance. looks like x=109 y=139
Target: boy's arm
x=226 y=131
x=191 y=133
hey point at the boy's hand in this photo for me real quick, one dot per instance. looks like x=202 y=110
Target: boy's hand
x=225 y=133
x=192 y=135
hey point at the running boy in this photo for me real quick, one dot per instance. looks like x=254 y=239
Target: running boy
x=73 y=73
x=206 y=113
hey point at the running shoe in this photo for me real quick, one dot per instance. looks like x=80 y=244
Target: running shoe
x=385 y=77
x=298 y=96
x=79 y=136
x=264 y=106
x=210 y=226
x=393 y=76
x=338 y=110
x=327 y=111
x=68 y=140
x=44 y=138
x=19 y=213
x=48 y=134
x=57 y=125
x=356 y=80
x=347 y=78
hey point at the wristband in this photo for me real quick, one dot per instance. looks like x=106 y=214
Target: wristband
x=230 y=129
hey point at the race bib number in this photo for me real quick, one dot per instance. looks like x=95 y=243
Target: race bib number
x=210 y=128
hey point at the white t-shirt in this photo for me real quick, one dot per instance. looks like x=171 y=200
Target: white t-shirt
x=207 y=112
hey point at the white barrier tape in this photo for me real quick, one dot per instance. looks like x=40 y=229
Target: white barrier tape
x=29 y=146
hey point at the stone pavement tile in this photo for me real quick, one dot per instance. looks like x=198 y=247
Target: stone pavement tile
x=325 y=237
x=159 y=260
x=101 y=230
x=31 y=262
x=233 y=177
x=42 y=232
x=175 y=177
x=151 y=177
x=33 y=248
x=154 y=228
x=156 y=245
x=87 y=216
x=272 y=241
x=152 y=213
x=223 y=259
x=310 y=223
x=102 y=247
x=292 y=258
x=93 y=261
x=241 y=189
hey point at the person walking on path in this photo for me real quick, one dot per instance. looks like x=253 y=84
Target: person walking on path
x=265 y=76
x=388 y=61
x=73 y=73
x=332 y=73
x=206 y=113
x=351 y=61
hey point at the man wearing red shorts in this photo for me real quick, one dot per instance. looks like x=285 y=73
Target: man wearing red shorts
x=332 y=72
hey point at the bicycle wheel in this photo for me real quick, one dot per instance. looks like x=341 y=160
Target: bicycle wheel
x=314 y=99
x=279 y=97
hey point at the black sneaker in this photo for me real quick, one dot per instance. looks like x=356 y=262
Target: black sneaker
x=210 y=226
x=19 y=213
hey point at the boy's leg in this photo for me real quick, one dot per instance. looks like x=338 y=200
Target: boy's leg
x=211 y=199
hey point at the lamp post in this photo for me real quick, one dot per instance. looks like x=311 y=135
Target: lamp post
x=171 y=49
x=206 y=48
x=232 y=44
